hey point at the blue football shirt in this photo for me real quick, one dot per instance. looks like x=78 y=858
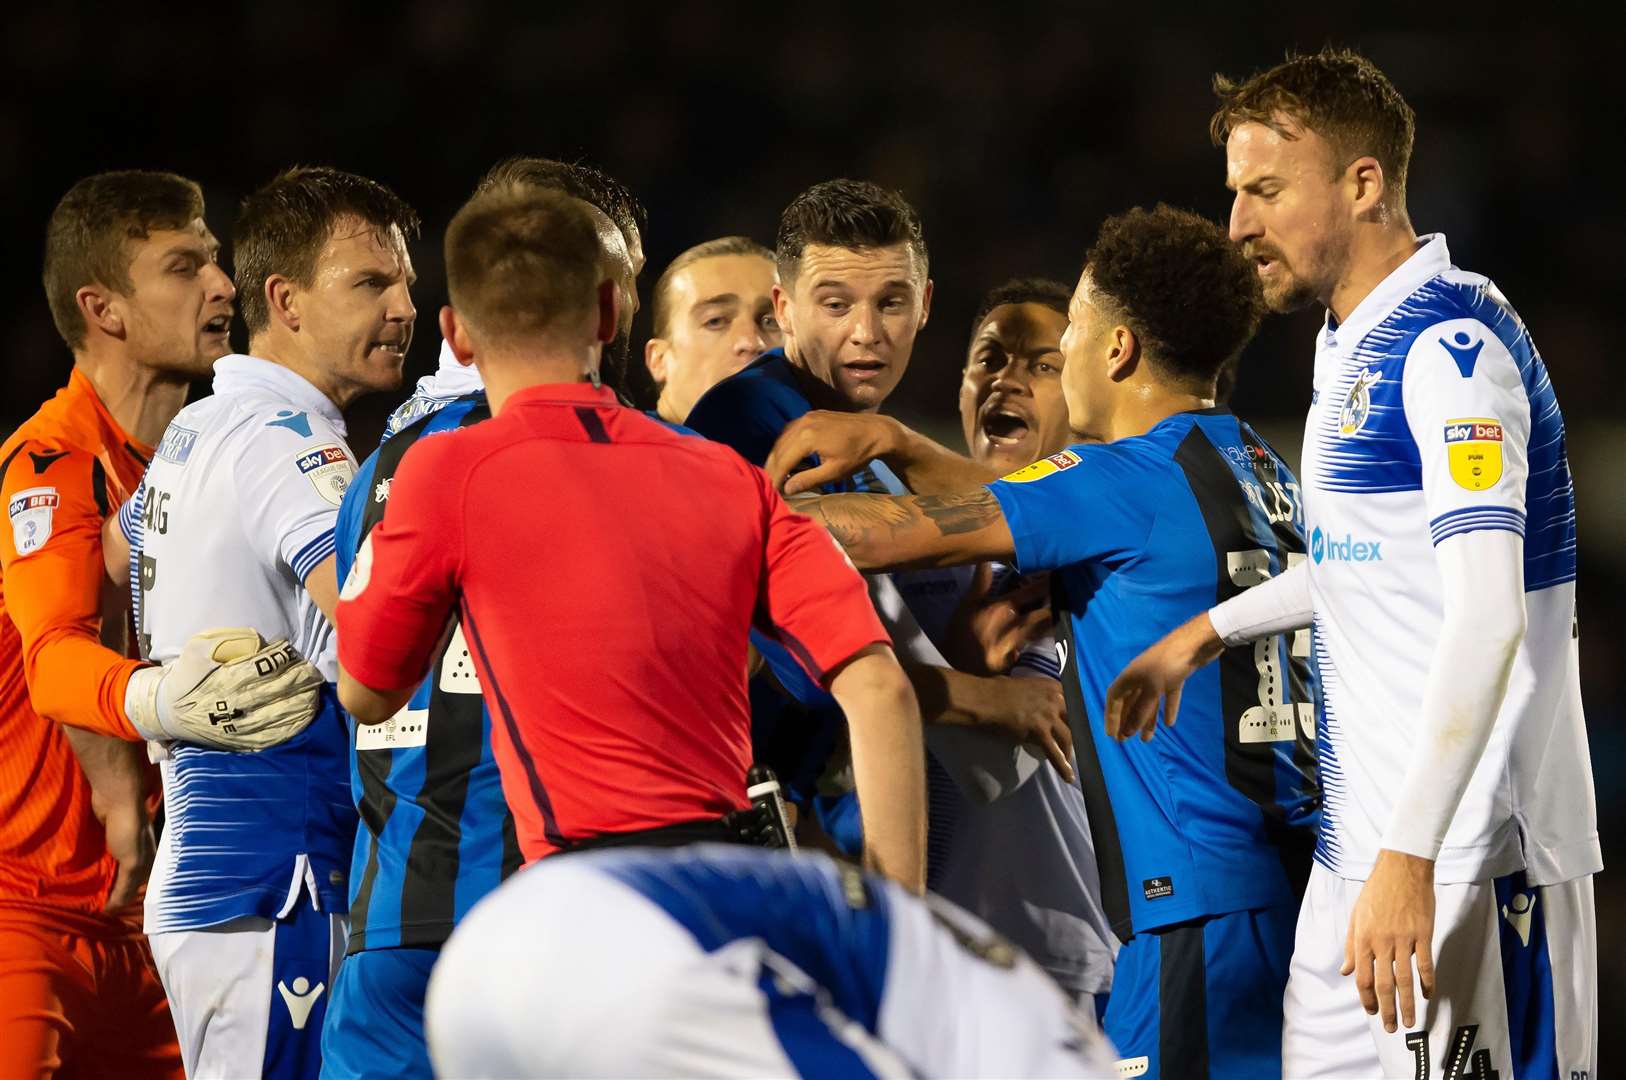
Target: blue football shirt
x=1217 y=813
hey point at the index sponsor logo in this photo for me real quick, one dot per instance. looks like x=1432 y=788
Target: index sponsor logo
x=1324 y=548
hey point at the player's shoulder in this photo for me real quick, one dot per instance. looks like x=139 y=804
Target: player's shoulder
x=1464 y=326
x=764 y=392
x=42 y=466
x=1084 y=463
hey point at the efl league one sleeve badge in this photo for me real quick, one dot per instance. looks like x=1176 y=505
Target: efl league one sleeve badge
x=1042 y=468
x=1473 y=449
x=329 y=469
x=31 y=512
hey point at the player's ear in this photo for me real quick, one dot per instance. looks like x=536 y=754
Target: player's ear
x=925 y=305
x=609 y=311
x=655 y=353
x=1367 y=184
x=1123 y=353
x=781 y=310
x=280 y=301
x=455 y=333
x=97 y=308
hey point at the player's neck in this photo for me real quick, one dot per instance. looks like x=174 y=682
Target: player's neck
x=142 y=400
x=285 y=352
x=1376 y=251
x=1145 y=407
x=667 y=408
x=506 y=375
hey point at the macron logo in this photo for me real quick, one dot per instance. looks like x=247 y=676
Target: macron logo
x=300 y=999
x=1325 y=549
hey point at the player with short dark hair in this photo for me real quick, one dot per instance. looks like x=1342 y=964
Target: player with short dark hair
x=436 y=834
x=852 y=293
x=713 y=314
x=614 y=723
x=234 y=522
x=1460 y=831
x=1203 y=835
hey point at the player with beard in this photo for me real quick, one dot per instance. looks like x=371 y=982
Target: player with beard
x=620 y=220
x=1460 y=831
x=436 y=834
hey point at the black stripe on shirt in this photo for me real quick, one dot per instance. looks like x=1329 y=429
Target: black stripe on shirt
x=592 y=424
x=1109 y=854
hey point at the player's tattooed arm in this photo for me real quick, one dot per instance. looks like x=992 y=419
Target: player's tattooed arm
x=896 y=532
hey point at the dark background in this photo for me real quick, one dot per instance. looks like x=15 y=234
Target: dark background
x=1013 y=133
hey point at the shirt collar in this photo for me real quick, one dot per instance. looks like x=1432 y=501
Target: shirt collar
x=452 y=378
x=562 y=392
x=79 y=383
x=236 y=373
x=1431 y=259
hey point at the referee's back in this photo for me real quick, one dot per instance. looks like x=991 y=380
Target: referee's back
x=606 y=571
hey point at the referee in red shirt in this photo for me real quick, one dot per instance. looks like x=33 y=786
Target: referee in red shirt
x=606 y=571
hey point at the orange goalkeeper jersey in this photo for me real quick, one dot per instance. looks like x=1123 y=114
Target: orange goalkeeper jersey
x=63 y=472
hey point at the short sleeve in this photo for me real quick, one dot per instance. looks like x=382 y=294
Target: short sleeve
x=1083 y=504
x=1470 y=416
x=810 y=599
x=403 y=587
x=291 y=488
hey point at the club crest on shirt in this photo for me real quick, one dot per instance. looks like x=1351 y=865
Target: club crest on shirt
x=1473 y=450
x=1044 y=467
x=328 y=468
x=31 y=512
x=1358 y=403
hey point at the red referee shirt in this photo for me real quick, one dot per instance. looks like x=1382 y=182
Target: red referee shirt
x=606 y=571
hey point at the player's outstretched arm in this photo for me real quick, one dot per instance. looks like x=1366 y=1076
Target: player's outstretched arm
x=896 y=532
x=846 y=442
x=1482 y=574
x=889 y=754
x=1156 y=676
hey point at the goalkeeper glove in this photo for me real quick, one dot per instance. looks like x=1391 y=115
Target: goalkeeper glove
x=229 y=690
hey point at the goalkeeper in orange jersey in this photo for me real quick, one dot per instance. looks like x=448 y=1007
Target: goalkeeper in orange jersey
x=134 y=289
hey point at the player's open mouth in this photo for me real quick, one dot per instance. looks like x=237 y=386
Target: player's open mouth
x=1004 y=427
x=220 y=324
x=864 y=370
x=396 y=349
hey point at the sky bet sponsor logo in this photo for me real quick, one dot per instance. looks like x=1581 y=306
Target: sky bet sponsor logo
x=327 y=455
x=1325 y=549
x=1473 y=431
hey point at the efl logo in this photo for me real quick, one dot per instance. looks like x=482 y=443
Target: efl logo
x=326 y=455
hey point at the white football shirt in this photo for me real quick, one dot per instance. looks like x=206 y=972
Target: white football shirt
x=1432 y=416
x=235 y=511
